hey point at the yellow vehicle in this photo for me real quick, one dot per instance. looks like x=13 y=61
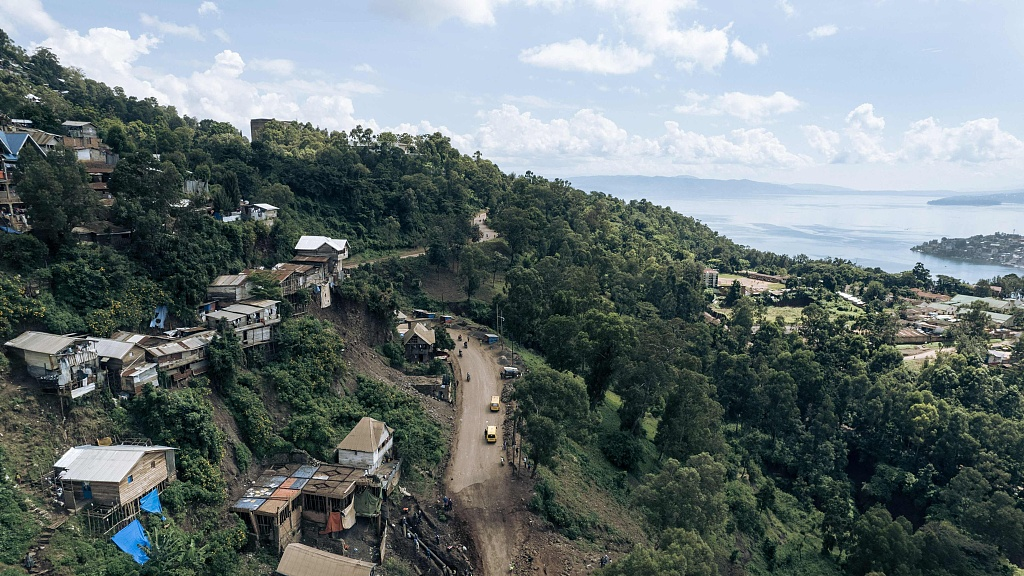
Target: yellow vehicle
x=495 y=404
x=491 y=434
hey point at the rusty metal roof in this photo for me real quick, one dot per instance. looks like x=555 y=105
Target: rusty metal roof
x=302 y=560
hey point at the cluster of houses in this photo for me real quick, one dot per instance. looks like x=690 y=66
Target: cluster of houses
x=73 y=365
x=999 y=248
x=111 y=485
x=318 y=502
x=317 y=266
x=18 y=140
x=417 y=333
x=933 y=316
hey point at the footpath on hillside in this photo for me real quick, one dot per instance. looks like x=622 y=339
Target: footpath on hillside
x=487 y=234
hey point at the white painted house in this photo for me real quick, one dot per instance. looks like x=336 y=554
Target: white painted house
x=367 y=446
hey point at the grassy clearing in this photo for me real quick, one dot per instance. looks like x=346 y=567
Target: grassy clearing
x=750 y=281
x=612 y=402
x=790 y=314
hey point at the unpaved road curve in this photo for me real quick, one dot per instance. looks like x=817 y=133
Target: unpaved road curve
x=476 y=479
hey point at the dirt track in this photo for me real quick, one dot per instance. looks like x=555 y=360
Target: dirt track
x=476 y=478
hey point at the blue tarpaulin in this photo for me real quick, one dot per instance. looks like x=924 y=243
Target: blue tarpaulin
x=159 y=317
x=131 y=539
x=151 y=503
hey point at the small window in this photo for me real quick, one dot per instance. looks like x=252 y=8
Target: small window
x=152 y=464
x=130 y=479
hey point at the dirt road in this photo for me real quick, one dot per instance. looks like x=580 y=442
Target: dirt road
x=929 y=353
x=476 y=479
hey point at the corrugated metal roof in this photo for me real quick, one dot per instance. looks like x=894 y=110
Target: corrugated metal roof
x=315 y=242
x=367 y=436
x=243 y=309
x=184 y=345
x=278 y=274
x=266 y=206
x=41 y=342
x=140 y=369
x=76 y=123
x=261 y=304
x=317 y=259
x=229 y=280
x=419 y=330
x=302 y=560
x=248 y=504
x=225 y=314
x=106 y=348
x=102 y=463
x=305 y=471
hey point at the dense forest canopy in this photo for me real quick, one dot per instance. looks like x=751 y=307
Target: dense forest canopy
x=747 y=446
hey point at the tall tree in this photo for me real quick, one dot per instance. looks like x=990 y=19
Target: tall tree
x=57 y=192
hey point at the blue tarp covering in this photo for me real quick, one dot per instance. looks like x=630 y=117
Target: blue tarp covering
x=151 y=503
x=131 y=539
x=159 y=317
x=9 y=230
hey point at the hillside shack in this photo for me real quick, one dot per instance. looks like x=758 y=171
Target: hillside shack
x=66 y=365
x=106 y=482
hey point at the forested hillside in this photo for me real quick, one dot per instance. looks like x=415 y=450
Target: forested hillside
x=747 y=446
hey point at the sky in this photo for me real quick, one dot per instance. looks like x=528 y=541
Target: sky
x=869 y=94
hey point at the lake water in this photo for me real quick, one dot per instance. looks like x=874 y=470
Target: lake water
x=869 y=228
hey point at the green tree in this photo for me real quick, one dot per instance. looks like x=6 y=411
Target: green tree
x=691 y=422
x=679 y=553
x=735 y=293
x=559 y=396
x=225 y=356
x=689 y=497
x=472 y=269
x=882 y=544
x=442 y=339
x=56 y=190
x=543 y=436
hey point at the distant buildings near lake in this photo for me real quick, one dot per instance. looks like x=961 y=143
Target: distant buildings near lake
x=999 y=249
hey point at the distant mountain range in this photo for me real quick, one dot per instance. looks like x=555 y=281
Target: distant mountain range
x=660 y=189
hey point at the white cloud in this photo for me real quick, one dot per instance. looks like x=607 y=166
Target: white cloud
x=221 y=91
x=825 y=142
x=170 y=27
x=786 y=8
x=275 y=66
x=751 y=108
x=974 y=141
x=578 y=55
x=864 y=132
x=365 y=68
x=653 y=21
x=745 y=53
x=925 y=141
x=208 y=8
x=588 y=139
x=221 y=35
x=823 y=31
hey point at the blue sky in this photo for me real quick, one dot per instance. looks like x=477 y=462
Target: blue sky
x=877 y=94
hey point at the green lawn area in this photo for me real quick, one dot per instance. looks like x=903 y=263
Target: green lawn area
x=790 y=314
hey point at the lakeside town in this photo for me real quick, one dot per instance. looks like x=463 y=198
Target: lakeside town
x=1000 y=248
